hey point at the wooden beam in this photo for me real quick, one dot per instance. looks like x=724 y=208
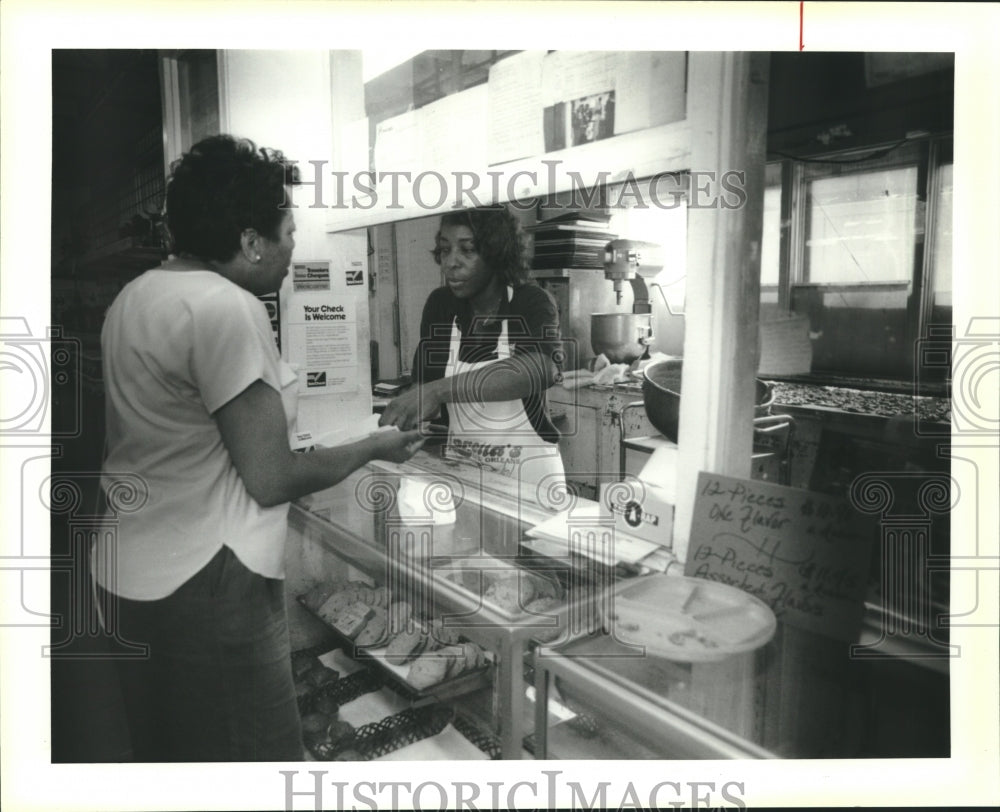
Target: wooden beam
x=170 y=102
x=727 y=114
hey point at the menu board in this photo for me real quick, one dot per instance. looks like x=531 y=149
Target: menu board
x=805 y=554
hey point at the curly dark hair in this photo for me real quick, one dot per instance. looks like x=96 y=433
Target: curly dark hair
x=221 y=187
x=499 y=240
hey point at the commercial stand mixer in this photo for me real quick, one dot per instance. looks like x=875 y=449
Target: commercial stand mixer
x=624 y=337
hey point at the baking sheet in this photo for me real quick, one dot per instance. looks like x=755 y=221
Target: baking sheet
x=338 y=661
x=448 y=745
x=555 y=707
x=373 y=707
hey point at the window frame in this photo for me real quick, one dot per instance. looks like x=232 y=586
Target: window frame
x=793 y=175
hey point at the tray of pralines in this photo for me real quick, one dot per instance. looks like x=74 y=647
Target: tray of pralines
x=421 y=657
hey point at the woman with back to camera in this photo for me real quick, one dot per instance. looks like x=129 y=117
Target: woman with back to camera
x=488 y=351
x=199 y=405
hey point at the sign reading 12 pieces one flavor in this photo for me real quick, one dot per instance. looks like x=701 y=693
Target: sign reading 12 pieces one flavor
x=805 y=554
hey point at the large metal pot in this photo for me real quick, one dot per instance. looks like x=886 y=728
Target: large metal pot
x=661 y=394
x=622 y=337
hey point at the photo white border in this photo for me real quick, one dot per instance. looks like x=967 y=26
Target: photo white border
x=31 y=28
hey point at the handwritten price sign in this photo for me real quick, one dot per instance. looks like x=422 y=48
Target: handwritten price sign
x=806 y=555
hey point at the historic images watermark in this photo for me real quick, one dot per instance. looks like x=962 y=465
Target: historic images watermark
x=42 y=407
x=41 y=372
x=317 y=791
x=49 y=366
x=421 y=558
x=432 y=190
x=43 y=410
x=914 y=508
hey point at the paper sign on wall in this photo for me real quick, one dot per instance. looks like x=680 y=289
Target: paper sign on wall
x=323 y=344
x=354 y=274
x=310 y=276
x=805 y=554
x=273 y=305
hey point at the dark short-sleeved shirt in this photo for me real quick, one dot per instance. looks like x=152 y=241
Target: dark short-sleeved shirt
x=532 y=327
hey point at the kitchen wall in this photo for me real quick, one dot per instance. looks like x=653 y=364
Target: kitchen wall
x=406 y=274
x=642 y=209
x=282 y=99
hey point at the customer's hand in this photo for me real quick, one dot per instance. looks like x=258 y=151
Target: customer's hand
x=413 y=407
x=396 y=446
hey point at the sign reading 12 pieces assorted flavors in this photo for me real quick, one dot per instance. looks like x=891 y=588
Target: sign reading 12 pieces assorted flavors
x=805 y=554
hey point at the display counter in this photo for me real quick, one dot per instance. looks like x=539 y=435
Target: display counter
x=799 y=696
x=624 y=705
x=359 y=532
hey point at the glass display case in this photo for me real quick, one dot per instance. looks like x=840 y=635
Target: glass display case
x=469 y=584
x=528 y=661
x=797 y=697
x=596 y=698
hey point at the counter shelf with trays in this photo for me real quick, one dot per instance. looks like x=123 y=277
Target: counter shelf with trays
x=374 y=659
x=382 y=726
x=412 y=560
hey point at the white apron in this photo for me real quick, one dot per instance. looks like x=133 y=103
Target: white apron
x=498 y=436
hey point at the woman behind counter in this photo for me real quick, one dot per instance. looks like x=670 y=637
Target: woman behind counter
x=199 y=406
x=488 y=350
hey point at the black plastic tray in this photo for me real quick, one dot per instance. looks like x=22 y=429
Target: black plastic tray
x=343 y=690
x=389 y=734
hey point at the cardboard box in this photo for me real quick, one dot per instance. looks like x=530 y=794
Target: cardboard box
x=641 y=510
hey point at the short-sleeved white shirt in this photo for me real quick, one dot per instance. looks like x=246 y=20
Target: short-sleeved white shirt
x=177 y=345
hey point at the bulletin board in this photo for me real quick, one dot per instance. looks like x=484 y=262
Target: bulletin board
x=452 y=129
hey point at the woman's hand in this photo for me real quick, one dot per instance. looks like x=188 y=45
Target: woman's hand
x=255 y=433
x=413 y=407
x=396 y=446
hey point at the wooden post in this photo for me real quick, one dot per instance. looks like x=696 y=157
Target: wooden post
x=727 y=114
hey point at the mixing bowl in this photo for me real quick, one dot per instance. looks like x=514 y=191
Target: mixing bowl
x=622 y=337
x=661 y=394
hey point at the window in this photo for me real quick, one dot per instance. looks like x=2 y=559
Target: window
x=771 y=240
x=189 y=84
x=941 y=245
x=858 y=263
x=860 y=227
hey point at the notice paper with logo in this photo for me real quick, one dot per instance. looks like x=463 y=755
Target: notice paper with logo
x=310 y=276
x=323 y=343
x=805 y=554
